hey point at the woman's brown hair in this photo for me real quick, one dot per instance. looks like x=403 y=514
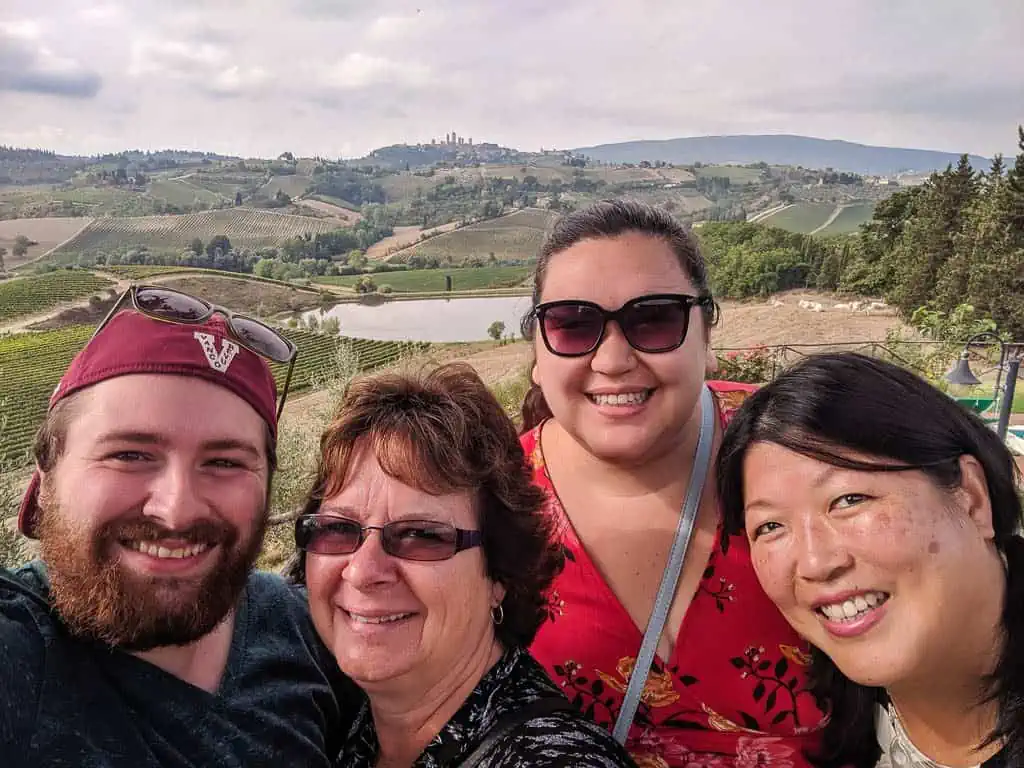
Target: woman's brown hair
x=442 y=431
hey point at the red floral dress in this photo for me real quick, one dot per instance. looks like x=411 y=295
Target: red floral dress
x=734 y=693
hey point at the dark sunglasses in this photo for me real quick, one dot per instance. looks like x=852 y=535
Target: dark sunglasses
x=654 y=323
x=172 y=306
x=324 y=534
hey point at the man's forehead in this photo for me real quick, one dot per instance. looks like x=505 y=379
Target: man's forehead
x=171 y=404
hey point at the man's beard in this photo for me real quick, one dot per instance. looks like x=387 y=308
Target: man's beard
x=100 y=599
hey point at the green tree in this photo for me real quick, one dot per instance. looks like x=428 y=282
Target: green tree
x=264 y=268
x=3 y=252
x=366 y=285
x=996 y=278
x=196 y=246
x=21 y=246
x=929 y=239
x=218 y=243
x=496 y=330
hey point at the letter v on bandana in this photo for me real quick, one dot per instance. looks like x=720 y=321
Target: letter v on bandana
x=219 y=361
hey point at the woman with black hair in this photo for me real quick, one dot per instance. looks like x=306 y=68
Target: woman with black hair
x=883 y=520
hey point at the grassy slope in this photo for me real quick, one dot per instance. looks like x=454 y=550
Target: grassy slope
x=802 y=217
x=417 y=280
x=245 y=227
x=850 y=219
x=736 y=174
x=516 y=236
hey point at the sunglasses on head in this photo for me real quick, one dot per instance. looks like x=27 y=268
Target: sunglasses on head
x=425 y=540
x=653 y=323
x=172 y=306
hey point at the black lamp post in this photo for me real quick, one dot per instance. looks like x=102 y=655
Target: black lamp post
x=962 y=375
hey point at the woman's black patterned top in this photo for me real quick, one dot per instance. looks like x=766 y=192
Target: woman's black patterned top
x=563 y=738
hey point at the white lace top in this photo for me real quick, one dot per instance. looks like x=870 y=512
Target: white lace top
x=898 y=751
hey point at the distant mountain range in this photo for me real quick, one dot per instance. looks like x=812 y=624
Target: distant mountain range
x=780 y=150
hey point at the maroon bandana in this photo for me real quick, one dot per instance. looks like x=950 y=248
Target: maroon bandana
x=132 y=343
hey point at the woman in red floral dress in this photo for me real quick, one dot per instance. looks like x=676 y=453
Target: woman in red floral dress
x=621 y=328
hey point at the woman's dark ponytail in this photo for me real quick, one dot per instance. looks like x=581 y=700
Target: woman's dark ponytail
x=1008 y=678
x=535 y=409
x=849 y=738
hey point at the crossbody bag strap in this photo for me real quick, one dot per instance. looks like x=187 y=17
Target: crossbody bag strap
x=506 y=725
x=670 y=578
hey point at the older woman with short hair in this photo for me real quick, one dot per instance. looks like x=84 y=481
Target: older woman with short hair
x=427 y=558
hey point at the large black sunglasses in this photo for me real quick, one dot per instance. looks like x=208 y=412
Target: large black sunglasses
x=323 y=534
x=172 y=306
x=653 y=323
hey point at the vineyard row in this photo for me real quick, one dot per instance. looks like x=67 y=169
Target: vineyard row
x=31 y=365
x=29 y=295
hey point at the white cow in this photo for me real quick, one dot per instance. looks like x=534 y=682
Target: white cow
x=813 y=306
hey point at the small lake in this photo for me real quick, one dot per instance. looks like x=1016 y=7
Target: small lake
x=441 y=320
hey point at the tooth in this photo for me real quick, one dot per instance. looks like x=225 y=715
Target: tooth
x=871 y=599
x=622 y=398
x=163 y=552
x=861 y=603
x=849 y=609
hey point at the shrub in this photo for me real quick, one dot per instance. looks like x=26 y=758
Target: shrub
x=750 y=366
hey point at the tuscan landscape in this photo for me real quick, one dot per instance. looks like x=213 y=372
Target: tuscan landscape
x=878 y=254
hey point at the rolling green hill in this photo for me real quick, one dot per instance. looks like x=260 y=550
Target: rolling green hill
x=245 y=227
x=800 y=217
x=433 y=280
x=850 y=218
x=515 y=237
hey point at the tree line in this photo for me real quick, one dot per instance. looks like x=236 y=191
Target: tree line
x=956 y=240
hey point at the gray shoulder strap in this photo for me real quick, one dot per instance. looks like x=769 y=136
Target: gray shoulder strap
x=670 y=579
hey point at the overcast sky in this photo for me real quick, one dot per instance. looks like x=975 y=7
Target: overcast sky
x=340 y=77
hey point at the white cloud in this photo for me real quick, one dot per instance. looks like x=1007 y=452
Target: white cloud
x=387 y=29
x=106 y=13
x=175 y=58
x=344 y=76
x=236 y=80
x=359 y=70
x=24 y=29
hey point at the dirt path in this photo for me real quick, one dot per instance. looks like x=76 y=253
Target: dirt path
x=832 y=217
x=334 y=211
x=21 y=324
x=404 y=240
x=769 y=212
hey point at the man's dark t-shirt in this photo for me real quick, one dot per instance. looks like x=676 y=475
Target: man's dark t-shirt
x=69 y=702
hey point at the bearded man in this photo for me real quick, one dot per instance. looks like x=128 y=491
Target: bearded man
x=143 y=636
